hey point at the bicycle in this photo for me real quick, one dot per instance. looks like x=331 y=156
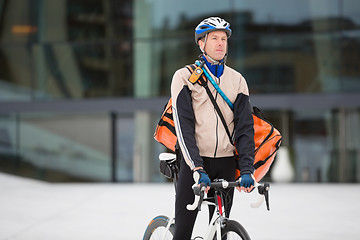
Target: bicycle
x=162 y=227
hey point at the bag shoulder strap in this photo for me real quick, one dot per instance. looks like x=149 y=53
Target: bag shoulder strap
x=197 y=75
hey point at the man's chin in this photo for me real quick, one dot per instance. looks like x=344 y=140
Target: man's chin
x=218 y=58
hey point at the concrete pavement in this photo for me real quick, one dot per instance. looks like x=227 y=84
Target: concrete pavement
x=34 y=210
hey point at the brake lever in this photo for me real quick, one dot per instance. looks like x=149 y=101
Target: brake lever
x=201 y=200
x=264 y=190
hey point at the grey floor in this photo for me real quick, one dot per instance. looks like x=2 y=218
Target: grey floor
x=35 y=210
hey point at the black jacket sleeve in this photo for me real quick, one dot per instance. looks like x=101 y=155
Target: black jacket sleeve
x=185 y=128
x=244 y=133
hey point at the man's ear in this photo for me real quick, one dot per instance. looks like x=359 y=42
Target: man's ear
x=201 y=43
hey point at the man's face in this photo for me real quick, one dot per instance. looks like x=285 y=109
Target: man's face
x=216 y=45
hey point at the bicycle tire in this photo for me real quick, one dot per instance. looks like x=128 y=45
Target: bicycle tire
x=233 y=230
x=157 y=228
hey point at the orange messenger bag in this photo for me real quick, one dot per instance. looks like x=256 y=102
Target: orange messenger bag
x=267 y=139
x=165 y=129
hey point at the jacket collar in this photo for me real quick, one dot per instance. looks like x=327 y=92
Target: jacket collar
x=216 y=69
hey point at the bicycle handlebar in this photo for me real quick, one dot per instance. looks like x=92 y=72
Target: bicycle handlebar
x=263 y=190
x=199 y=196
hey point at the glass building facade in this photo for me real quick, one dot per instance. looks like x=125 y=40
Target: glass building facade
x=83 y=82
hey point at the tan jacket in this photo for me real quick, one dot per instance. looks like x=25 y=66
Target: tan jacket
x=199 y=129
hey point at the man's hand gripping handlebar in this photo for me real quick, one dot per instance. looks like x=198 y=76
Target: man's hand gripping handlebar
x=199 y=191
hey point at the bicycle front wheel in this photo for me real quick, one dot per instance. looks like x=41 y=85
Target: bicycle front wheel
x=234 y=231
x=157 y=229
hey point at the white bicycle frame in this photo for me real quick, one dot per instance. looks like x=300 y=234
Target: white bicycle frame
x=215 y=223
x=213 y=227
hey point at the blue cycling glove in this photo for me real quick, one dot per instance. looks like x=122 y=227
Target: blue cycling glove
x=200 y=176
x=246 y=181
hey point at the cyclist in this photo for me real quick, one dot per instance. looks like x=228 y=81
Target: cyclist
x=206 y=150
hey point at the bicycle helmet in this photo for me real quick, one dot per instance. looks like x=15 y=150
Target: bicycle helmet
x=211 y=24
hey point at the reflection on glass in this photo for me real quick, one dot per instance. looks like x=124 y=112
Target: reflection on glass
x=125 y=148
x=82 y=49
x=66 y=145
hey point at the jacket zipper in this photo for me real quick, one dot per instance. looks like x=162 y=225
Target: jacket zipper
x=217 y=121
x=217 y=128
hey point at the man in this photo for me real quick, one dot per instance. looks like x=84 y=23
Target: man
x=206 y=150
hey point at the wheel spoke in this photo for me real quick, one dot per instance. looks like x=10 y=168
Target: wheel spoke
x=161 y=233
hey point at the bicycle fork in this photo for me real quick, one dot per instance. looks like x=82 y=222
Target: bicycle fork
x=171 y=221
